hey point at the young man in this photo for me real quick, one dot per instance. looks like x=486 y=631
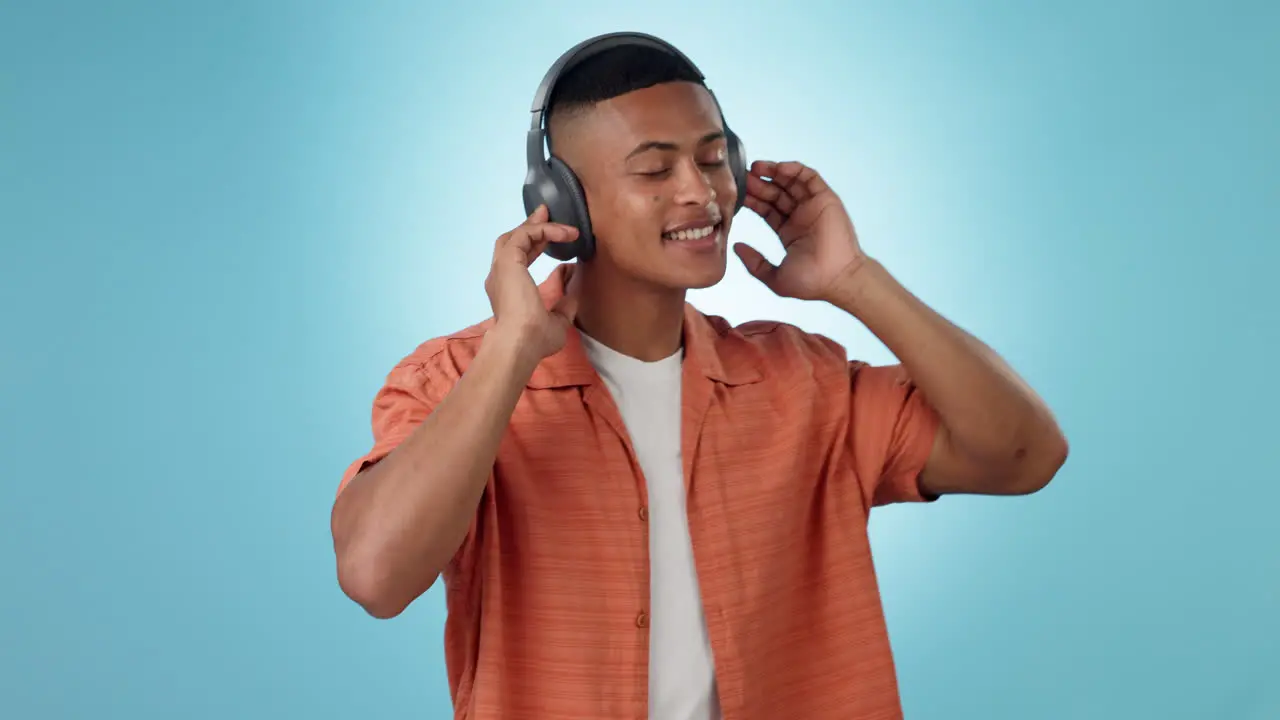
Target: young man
x=637 y=510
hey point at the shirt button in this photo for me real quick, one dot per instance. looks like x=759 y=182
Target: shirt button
x=642 y=620
x=644 y=513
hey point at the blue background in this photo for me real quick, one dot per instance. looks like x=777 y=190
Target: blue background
x=223 y=223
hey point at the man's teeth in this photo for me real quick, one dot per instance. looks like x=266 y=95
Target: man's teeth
x=694 y=234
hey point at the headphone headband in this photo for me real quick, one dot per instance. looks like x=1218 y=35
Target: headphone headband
x=592 y=46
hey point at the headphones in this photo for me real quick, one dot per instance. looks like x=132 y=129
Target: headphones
x=549 y=181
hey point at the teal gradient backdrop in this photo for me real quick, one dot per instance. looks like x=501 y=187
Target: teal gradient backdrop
x=223 y=223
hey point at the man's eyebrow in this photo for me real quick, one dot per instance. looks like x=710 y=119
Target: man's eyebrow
x=668 y=146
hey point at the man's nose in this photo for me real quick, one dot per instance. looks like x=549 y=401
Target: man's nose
x=695 y=187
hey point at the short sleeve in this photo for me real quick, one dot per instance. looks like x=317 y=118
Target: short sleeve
x=892 y=429
x=405 y=400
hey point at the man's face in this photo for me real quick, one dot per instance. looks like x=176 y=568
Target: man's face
x=654 y=167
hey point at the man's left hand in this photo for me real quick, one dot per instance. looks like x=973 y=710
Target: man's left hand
x=821 y=245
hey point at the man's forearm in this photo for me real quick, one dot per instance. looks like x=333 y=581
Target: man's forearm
x=990 y=414
x=397 y=524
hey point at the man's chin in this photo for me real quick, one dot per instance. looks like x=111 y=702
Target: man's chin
x=691 y=278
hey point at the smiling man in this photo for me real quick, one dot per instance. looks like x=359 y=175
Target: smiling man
x=638 y=510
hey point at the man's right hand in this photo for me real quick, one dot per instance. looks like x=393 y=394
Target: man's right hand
x=520 y=314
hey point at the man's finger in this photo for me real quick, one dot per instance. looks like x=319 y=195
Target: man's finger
x=758 y=265
x=500 y=244
x=768 y=212
x=532 y=239
x=538 y=215
x=524 y=236
x=796 y=179
x=771 y=194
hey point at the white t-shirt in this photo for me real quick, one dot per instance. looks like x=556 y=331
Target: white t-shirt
x=681 y=671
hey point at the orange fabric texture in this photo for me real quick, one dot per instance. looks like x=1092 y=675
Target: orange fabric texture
x=787 y=445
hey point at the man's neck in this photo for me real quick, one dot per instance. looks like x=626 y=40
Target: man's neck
x=633 y=318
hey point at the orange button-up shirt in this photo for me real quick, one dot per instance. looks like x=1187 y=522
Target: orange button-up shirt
x=787 y=445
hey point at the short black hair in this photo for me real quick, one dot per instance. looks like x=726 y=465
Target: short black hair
x=613 y=72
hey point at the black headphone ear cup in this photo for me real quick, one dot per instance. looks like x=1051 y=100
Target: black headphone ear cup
x=569 y=207
x=738 y=166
